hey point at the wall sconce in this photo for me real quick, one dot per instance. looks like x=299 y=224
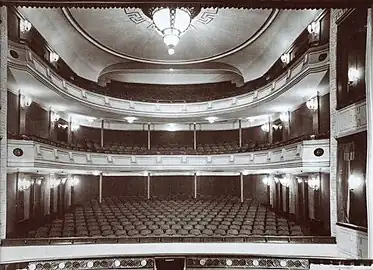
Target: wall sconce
x=285 y=181
x=300 y=180
x=74 y=182
x=53 y=57
x=23 y=184
x=245 y=172
x=277 y=127
x=63 y=126
x=276 y=179
x=353 y=75
x=53 y=182
x=354 y=182
x=25 y=101
x=265 y=127
x=211 y=119
x=24 y=26
x=130 y=119
x=314 y=31
x=90 y=119
x=284 y=117
x=74 y=126
x=63 y=180
x=312 y=104
x=55 y=116
x=96 y=173
x=266 y=181
x=285 y=58
x=314 y=182
x=39 y=182
x=171 y=127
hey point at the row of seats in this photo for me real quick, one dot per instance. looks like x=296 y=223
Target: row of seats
x=118 y=148
x=138 y=217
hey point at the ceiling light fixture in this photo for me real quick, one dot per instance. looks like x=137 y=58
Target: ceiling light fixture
x=211 y=119
x=25 y=101
x=312 y=104
x=130 y=119
x=285 y=58
x=172 y=23
x=25 y=26
x=53 y=57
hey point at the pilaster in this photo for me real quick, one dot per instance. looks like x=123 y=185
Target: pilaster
x=3 y=117
x=369 y=102
x=335 y=13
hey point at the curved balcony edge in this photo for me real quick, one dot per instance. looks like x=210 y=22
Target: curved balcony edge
x=41 y=155
x=309 y=63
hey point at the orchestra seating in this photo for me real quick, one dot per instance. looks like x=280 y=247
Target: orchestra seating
x=117 y=148
x=219 y=216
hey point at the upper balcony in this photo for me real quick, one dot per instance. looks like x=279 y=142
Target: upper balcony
x=35 y=77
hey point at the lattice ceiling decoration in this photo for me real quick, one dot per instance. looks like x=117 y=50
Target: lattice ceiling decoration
x=171 y=22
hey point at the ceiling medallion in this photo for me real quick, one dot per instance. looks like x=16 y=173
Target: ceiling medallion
x=172 y=22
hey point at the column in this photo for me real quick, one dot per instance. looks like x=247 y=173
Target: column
x=148 y=186
x=100 y=188
x=316 y=116
x=50 y=125
x=241 y=186
x=102 y=133
x=369 y=102
x=268 y=193
x=270 y=131
x=333 y=127
x=21 y=116
x=195 y=185
x=149 y=142
x=239 y=133
x=69 y=132
x=3 y=117
x=194 y=136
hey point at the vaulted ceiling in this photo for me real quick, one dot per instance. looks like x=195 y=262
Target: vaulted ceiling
x=221 y=45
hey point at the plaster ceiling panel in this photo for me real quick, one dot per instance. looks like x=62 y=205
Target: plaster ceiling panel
x=255 y=60
x=129 y=33
x=82 y=57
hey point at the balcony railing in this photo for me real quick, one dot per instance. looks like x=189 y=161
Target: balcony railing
x=168 y=239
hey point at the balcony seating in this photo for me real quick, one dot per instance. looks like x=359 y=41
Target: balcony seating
x=174 y=216
x=202 y=149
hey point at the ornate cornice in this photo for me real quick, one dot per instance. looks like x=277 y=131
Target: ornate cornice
x=290 y=4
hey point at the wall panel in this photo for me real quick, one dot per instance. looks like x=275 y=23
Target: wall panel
x=123 y=186
x=163 y=186
x=177 y=138
x=219 y=185
x=12 y=115
x=37 y=121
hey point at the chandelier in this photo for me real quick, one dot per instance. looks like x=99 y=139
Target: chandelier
x=172 y=23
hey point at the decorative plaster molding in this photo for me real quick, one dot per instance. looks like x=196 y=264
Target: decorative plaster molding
x=351 y=119
x=352 y=244
x=38 y=69
x=38 y=155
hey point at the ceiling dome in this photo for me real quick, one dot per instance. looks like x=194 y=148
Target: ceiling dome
x=130 y=34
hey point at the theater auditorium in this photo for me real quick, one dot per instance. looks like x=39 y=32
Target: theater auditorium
x=186 y=135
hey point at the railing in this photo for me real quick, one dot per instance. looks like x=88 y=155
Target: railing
x=173 y=151
x=168 y=239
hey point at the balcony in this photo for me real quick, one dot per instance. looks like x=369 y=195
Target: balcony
x=34 y=154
